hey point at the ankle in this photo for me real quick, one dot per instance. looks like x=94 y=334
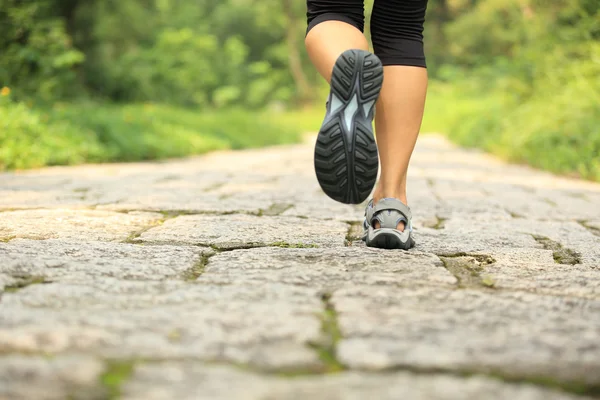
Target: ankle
x=396 y=193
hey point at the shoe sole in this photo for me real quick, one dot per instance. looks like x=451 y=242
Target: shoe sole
x=390 y=239
x=346 y=158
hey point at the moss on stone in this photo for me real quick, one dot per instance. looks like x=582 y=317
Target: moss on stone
x=468 y=269
x=194 y=272
x=560 y=254
x=287 y=245
x=326 y=347
x=24 y=281
x=115 y=374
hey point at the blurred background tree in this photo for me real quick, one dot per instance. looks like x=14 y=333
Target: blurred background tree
x=92 y=80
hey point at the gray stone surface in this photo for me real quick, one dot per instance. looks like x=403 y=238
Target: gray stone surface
x=247 y=230
x=194 y=382
x=223 y=276
x=593 y=226
x=79 y=225
x=39 y=378
x=327 y=269
x=264 y=326
x=476 y=235
x=535 y=270
x=75 y=261
x=511 y=333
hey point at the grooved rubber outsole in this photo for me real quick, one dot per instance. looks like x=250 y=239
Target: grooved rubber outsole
x=390 y=241
x=346 y=158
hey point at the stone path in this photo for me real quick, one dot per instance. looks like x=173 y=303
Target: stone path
x=231 y=276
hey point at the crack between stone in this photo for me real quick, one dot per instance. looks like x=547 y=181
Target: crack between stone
x=176 y=213
x=550 y=202
x=514 y=214
x=249 y=246
x=196 y=270
x=7 y=239
x=431 y=185
x=468 y=269
x=326 y=345
x=118 y=371
x=286 y=245
x=214 y=187
x=439 y=223
x=561 y=255
x=274 y=210
x=579 y=195
x=168 y=178
x=487 y=281
x=82 y=193
x=590 y=228
x=354 y=232
x=23 y=281
x=168 y=214
x=574 y=387
x=134 y=238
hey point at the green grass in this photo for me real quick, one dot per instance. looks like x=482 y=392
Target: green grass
x=69 y=134
x=559 y=132
x=308 y=119
x=556 y=128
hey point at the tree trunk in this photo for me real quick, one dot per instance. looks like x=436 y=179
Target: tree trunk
x=68 y=9
x=442 y=19
x=302 y=86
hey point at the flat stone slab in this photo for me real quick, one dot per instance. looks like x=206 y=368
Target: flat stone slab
x=239 y=230
x=91 y=185
x=327 y=268
x=536 y=271
x=476 y=235
x=593 y=226
x=187 y=200
x=81 y=225
x=470 y=330
x=58 y=260
x=195 y=381
x=267 y=326
x=43 y=378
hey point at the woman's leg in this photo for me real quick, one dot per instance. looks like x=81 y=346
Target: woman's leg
x=346 y=161
x=333 y=27
x=397 y=33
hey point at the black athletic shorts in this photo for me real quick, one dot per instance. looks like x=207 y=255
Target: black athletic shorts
x=396 y=26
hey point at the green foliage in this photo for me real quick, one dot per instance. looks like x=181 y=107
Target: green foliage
x=515 y=77
x=29 y=139
x=559 y=132
x=91 y=132
x=37 y=53
x=201 y=53
x=519 y=91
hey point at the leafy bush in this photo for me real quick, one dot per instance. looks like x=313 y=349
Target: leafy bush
x=37 y=53
x=521 y=92
x=557 y=128
x=73 y=134
x=28 y=139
